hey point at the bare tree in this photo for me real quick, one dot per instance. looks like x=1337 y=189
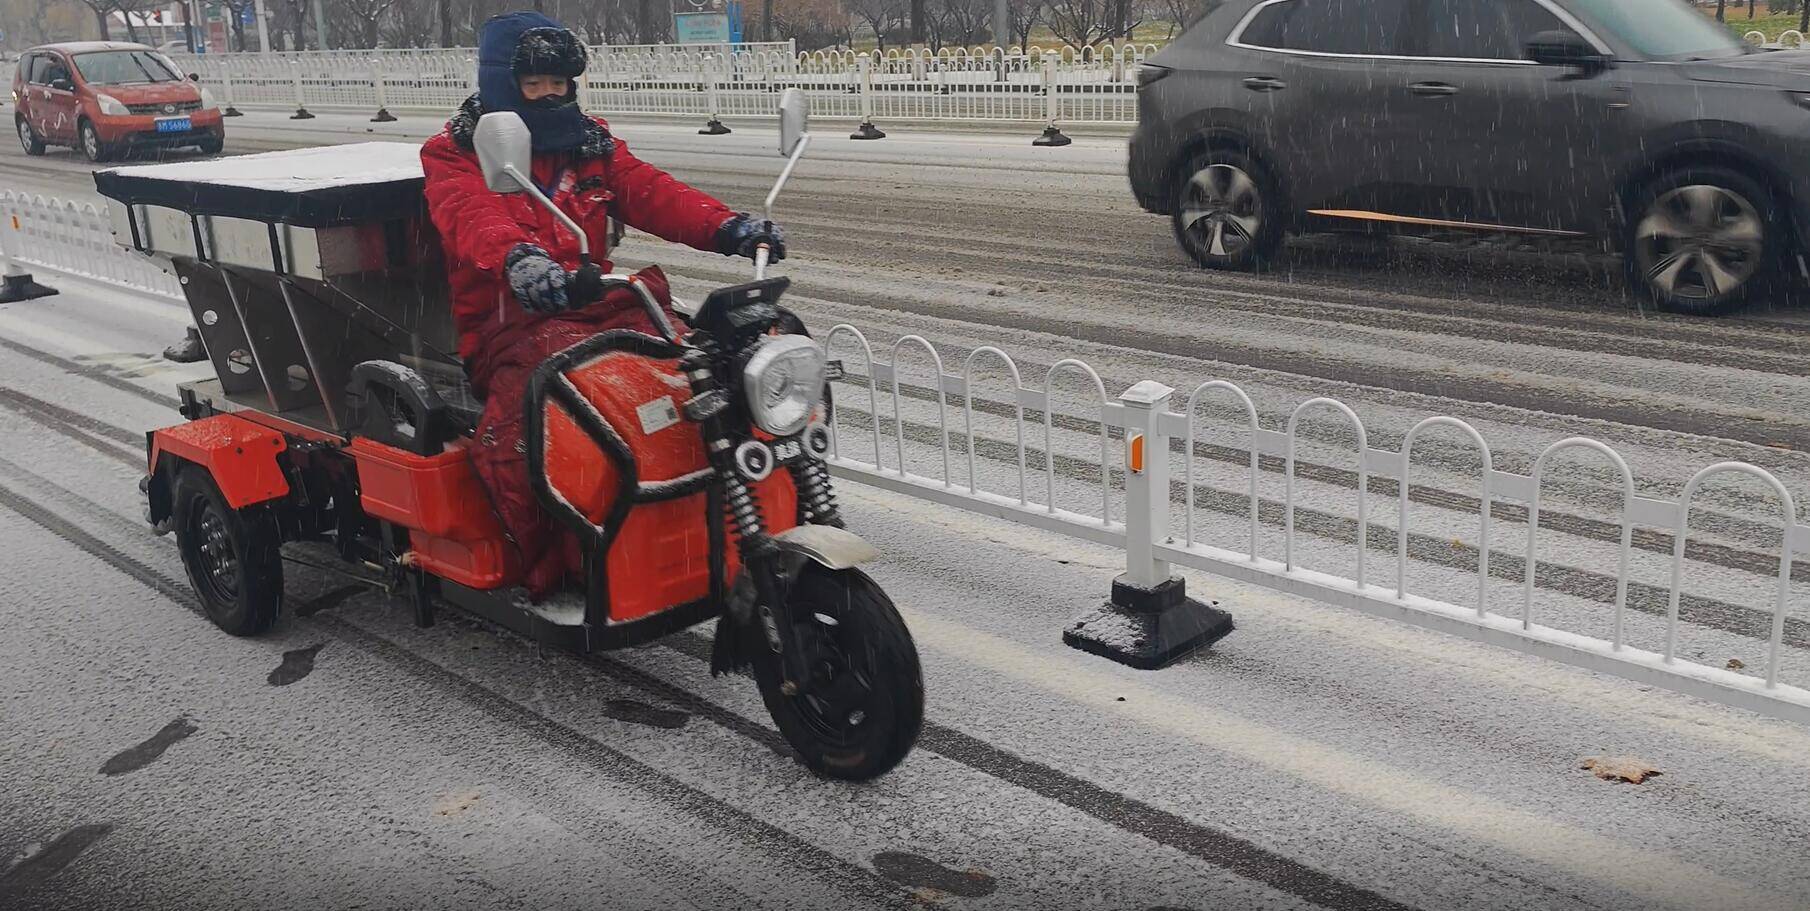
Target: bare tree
x=1025 y=14
x=958 y=23
x=355 y=22
x=1721 y=10
x=409 y=24
x=883 y=16
x=100 y=9
x=1080 y=23
x=812 y=24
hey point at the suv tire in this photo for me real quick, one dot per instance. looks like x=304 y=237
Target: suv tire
x=1226 y=210
x=1704 y=239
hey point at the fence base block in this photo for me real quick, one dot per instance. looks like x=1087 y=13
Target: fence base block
x=867 y=130
x=301 y=114
x=1051 y=137
x=231 y=111
x=20 y=287
x=714 y=128
x=1148 y=628
x=383 y=115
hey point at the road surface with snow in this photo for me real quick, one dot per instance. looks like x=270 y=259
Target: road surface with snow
x=1313 y=759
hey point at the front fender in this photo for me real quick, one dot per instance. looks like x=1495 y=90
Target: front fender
x=827 y=545
x=823 y=545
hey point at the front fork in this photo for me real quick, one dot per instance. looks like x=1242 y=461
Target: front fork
x=709 y=406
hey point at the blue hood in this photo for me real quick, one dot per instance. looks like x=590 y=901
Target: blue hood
x=504 y=57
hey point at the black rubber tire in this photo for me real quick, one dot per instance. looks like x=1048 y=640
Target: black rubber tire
x=1771 y=277
x=894 y=710
x=28 y=137
x=1271 y=211
x=247 y=601
x=212 y=145
x=88 y=142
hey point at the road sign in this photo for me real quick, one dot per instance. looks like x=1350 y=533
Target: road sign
x=701 y=28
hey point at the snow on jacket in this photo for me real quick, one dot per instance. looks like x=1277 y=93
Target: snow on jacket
x=479 y=227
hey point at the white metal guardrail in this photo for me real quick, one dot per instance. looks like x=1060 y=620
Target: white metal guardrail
x=1098 y=85
x=76 y=239
x=1151 y=542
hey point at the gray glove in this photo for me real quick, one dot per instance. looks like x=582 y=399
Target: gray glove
x=538 y=281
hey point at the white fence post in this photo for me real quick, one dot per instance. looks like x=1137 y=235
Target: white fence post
x=301 y=108
x=714 y=126
x=383 y=114
x=1150 y=621
x=1051 y=136
x=1146 y=483
x=866 y=130
x=226 y=85
x=16 y=284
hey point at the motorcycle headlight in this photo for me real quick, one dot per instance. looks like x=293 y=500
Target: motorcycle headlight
x=111 y=106
x=784 y=380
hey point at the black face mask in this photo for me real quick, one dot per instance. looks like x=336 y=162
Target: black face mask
x=548 y=103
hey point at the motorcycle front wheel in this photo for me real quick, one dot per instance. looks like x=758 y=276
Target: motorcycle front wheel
x=860 y=712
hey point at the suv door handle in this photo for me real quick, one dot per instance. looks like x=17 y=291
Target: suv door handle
x=1264 y=84
x=1433 y=89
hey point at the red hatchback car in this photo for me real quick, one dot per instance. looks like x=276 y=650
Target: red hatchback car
x=104 y=97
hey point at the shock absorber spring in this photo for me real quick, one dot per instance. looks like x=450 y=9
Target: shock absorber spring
x=815 y=494
x=744 y=507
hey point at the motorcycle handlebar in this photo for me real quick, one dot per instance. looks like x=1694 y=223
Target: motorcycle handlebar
x=589 y=283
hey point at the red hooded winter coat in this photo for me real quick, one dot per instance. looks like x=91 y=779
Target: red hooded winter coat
x=501 y=343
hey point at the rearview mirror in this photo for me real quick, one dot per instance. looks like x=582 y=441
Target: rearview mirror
x=62 y=85
x=194 y=77
x=1564 y=48
x=503 y=145
x=794 y=117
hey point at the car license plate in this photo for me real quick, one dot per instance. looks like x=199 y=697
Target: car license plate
x=172 y=124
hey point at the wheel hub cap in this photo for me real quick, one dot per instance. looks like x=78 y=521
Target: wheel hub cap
x=1699 y=242
x=1220 y=209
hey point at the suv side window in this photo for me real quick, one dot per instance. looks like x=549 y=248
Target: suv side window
x=1481 y=29
x=1355 y=27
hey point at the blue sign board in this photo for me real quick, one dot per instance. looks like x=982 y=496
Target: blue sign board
x=701 y=28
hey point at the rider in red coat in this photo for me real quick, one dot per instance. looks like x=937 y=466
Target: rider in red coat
x=510 y=259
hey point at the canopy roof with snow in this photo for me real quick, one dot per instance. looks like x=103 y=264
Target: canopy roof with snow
x=313 y=188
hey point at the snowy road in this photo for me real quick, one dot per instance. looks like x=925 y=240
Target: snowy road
x=1314 y=759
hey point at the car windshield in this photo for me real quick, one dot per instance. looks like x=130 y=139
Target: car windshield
x=124 y=68
x=1664 y=29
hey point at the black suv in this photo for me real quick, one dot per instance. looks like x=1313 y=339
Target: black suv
x=1640 y=121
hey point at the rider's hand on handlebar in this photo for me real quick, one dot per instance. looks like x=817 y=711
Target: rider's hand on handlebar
x=743 y=235
x=538 y=281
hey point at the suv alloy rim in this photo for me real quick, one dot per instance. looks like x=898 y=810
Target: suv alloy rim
x=1219 y=209
x=1699 y=242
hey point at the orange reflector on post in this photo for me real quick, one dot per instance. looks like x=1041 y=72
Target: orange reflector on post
x=1134 y=453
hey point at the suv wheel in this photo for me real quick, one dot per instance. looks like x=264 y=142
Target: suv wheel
x=1226 y=210
x=90 y=141
x=1703 y=240
x=28 y=138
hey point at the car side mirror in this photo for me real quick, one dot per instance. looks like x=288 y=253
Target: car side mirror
x=504 y=149
x=1564 y=48
x=194 y=77
x=794 y=119
x=62 y=85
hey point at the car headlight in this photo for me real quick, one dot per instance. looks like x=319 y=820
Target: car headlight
x=784 y=379
x=207 y=100
x=111 y=106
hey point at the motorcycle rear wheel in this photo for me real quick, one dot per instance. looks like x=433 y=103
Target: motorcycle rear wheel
x=861 y=713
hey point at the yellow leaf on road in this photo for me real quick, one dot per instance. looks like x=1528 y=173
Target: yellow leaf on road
x=1619 y=768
